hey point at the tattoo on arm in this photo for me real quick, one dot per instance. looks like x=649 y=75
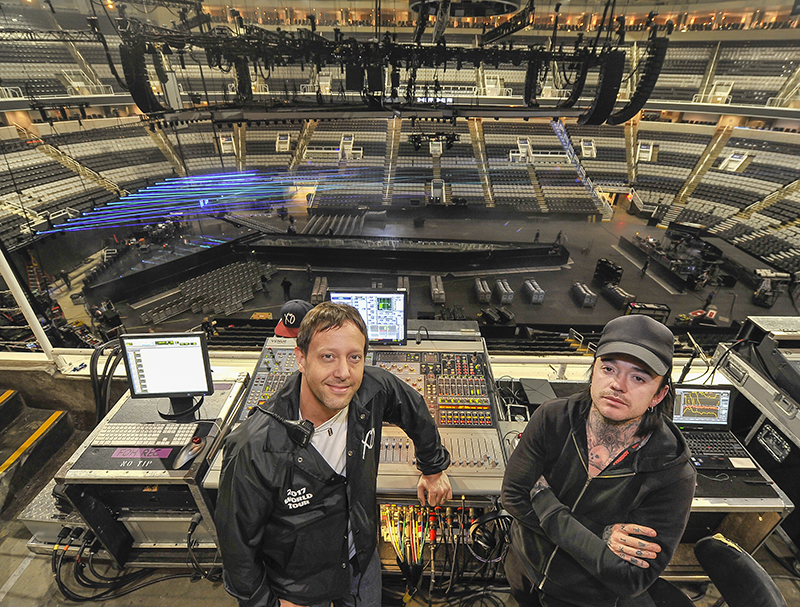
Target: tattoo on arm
x=539 y=486
x=607 y=535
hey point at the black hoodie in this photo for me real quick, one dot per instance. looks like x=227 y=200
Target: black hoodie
x=282 y=512
x=556 y=539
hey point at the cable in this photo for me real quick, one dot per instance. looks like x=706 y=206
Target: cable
x=110 y=593
x=211 y=575
x=98 y=381
x=723 y=357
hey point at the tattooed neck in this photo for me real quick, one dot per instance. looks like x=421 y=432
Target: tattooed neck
x=605 y=440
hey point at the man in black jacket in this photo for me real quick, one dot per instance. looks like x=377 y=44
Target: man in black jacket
x=601 y=484
x=297 y=522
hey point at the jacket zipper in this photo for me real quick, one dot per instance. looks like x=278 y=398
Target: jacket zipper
x=577 y=501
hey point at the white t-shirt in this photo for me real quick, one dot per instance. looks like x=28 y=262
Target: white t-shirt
x=330 y=439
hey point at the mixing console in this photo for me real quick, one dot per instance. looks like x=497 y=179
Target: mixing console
x=477 y=463
x=453 y=384
x=274 y=367
x=455 y=388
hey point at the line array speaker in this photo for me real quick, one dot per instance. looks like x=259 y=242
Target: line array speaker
x=611 y=71
x=531 y=84
x=656 y=53
x=375 y=78
x=135 y=70
x=354 y=78
x=577 y=87
x=244 y=86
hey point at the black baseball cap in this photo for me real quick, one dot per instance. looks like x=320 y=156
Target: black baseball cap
x=641 y=337
x=292 y=314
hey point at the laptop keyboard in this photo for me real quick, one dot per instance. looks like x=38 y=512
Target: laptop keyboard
x=714 y=443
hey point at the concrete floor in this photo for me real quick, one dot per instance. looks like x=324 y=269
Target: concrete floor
x=27 y=581
x=587 y=242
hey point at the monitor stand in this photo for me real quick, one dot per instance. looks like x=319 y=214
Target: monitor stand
x=181 y=408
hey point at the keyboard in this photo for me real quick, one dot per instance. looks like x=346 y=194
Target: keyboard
x=145 y=435
x=714 y=443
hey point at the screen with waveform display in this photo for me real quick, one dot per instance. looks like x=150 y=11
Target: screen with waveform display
x=705 y=405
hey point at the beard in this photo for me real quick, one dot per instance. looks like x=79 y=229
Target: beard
x=333 y=402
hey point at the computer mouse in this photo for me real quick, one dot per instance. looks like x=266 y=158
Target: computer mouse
x=190 y=451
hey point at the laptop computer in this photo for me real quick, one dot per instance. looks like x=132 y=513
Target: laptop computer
x=703 y=414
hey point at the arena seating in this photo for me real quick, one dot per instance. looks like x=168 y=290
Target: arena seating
x=400 y=175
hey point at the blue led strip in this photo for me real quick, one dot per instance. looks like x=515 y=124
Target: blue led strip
x=195 y=196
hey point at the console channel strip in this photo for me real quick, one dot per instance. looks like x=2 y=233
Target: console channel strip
x=477 y=462
x=274 y=367
x=453 y=384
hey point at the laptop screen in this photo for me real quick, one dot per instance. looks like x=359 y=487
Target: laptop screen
x=702 y=407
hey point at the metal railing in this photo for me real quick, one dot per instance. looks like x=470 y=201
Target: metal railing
x=89 y=89
x=10 y=92
x=711 y=98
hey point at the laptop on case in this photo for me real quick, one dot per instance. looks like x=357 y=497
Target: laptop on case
x=703 y=414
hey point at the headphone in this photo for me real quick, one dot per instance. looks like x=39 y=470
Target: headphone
x=489 y=533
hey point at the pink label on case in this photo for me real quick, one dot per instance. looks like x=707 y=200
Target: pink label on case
x=142 y=453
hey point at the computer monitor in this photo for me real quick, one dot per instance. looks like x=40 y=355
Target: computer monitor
x=384 y=313
x=168 y=365
x=702 y=407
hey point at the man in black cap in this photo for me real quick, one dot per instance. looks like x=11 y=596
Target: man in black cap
x=292 y=314
x=601 y=484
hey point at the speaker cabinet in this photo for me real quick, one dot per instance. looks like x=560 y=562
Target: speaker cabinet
x=657 y=51
x=611 y=71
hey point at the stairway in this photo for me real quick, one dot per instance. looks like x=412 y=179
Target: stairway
x=708 y=78
x=631 y=145
x=163 y=143
x=28 y=438
x=710 y=154
x=563 y=137
x=392 y=152
x=309 y=126
x=37 y=280
x=540 y=198
x=84 y=171
x=770 y=199
x=479 y=150
x=436 y=165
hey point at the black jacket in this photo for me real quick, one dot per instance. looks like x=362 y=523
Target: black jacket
x=282 y=512
x=556 y=539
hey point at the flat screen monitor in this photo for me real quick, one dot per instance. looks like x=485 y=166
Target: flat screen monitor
x=702 y=407
x=384 y=313
x=168 y=365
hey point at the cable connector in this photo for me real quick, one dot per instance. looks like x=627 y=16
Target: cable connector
x=194 y=523
x=63 y=534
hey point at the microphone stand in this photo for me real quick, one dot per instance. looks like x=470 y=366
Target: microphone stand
x=696 y=351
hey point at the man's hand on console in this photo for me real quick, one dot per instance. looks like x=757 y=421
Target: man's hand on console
x=621 y=540
x=436 y=486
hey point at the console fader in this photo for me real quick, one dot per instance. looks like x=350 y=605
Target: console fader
x=274 y=367
x=453 y=384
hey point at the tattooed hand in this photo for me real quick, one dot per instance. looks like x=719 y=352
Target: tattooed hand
x=621 y=540
x=539 y=485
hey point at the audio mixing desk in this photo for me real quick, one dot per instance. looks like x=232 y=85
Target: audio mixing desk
x=455 y=382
